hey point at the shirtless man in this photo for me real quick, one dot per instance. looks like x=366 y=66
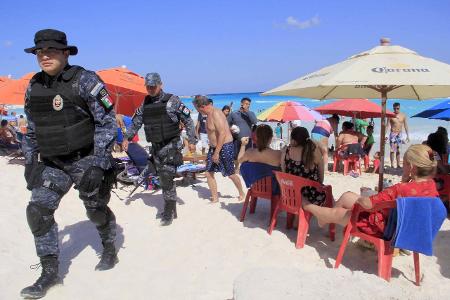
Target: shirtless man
x=395 y=137
x=220 y=156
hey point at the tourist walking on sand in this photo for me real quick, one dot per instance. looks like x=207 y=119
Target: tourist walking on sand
x=221 y=149
x=244 y=119
x=396 y=126
x=161 y=114
x=71 y=132
x=200 y=131
x=320 y=135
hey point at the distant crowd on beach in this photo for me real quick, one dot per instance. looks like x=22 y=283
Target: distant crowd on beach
x=12 y=129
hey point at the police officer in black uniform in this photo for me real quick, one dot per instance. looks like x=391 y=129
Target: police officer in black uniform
x=71 y=130
x=161 y=114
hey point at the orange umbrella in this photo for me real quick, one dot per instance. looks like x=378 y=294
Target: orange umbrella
x=126 y=88
x=4 y=79
x=13 y=91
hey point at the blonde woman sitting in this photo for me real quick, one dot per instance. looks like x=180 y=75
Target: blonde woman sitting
x=419 y=169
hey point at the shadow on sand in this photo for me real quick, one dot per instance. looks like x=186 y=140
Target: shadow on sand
x=82 y=235
x=442 y=253
x=355 y=258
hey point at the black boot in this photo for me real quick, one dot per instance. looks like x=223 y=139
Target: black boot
x=109 y=258
x=169 y=213
x=160 y=215
x=49 y=277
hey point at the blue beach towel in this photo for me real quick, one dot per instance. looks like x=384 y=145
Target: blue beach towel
x=418 y=221
x=253 y=171
x=191 y=167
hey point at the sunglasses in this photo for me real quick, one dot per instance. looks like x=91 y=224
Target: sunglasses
x=47 y=52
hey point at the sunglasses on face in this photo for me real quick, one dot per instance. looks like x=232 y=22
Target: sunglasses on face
x=47 y=52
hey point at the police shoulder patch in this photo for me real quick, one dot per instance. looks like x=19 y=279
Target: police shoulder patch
x=104 y=98
x=184 y=110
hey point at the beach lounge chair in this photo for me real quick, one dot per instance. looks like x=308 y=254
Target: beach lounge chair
x=421 y=241
x=291 y=202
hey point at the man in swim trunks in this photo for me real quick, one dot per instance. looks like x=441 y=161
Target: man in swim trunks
x=396 y=125
x=220 y=156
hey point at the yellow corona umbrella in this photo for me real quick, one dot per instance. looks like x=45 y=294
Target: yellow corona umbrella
x=382 y=72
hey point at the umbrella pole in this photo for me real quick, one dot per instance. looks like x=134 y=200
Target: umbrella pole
x=382 y=138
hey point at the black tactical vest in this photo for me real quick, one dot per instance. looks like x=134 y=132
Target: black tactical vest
x=63 y=122
x=158 y=126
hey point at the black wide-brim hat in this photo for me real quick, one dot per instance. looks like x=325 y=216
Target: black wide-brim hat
x=51 y=38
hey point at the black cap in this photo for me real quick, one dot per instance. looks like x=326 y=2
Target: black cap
x=51 y=38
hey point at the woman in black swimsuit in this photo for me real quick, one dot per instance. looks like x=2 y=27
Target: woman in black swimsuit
x=303 y=158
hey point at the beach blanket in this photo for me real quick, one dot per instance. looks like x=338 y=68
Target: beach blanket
x=253 y=171
x=418 y=222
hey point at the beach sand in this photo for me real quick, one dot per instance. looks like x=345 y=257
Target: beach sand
x=206 y=253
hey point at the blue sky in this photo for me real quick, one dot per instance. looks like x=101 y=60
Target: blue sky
x=221 y=46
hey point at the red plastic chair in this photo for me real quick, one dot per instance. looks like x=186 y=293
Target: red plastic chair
x=291 y=202
x=352 y=161
x=337 y=158
x=366 y=162
x=444 y=190
x=384 y=249
x=260 y=189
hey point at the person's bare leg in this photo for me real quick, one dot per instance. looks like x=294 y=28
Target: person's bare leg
x=212 y=184
x=397 y=156
x=237 y=182
x=347 y=200
x=392 y=159
x=323 y=146
x=326 y=215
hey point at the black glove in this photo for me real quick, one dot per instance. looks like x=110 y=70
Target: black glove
x=33 y=173
x=91 y=179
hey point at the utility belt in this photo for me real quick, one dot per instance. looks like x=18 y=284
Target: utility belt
x=160 y=145
x=71 y=157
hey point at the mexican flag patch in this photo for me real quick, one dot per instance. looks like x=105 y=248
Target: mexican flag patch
x=106 y=102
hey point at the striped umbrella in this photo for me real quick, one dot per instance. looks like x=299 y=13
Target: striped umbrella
x=289 y=111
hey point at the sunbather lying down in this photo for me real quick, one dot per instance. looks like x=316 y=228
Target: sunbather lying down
x=417 y=181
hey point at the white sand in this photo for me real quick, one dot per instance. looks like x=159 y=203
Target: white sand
x=206 y=253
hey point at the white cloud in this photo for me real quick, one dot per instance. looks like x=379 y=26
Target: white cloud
x=7 y=44
x=298 y=24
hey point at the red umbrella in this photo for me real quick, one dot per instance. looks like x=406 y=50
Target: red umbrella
x=358 y=108
x=127 y=89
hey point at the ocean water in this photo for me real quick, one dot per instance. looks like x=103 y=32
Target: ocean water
x=419 y=128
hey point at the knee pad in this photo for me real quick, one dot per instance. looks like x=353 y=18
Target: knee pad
x=100 y=215
x=166 y=180
x=40 y=219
